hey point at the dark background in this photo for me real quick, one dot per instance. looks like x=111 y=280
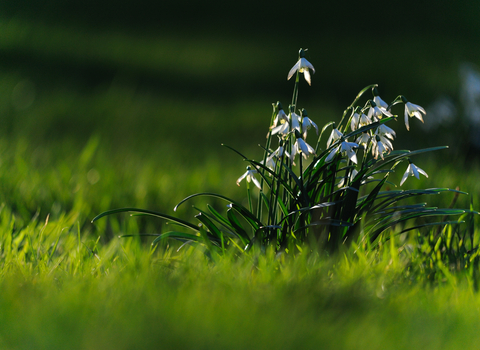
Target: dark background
x=227 y=59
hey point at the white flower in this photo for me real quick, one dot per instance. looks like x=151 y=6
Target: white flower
x=344 y=147
x=307 y=123
x=375 y=112
x=281 y=117
x=270 y=163
x=380 y=147
x=354 y=121
x=303 y=66
x=412 y=170
x=302 y=147
x=384 y=130
x=278 y=153
x=250 y=177
x=348 y=147
x=413 y=110
x=363 y=139
x=380 y=102
x=282 y=129
x=364 y=120
x=385 y=134
x=294 y=121
x=334 y=136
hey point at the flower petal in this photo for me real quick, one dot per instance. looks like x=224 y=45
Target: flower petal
x=294 y=69
x=306 y=73
x=255 y=181
x=241 y=178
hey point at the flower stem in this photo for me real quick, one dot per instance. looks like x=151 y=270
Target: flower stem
x=249 y=196
x=295 y=91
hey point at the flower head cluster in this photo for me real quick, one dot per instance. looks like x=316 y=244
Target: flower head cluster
x=375 y=141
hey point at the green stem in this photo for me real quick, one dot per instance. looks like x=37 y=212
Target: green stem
x=249 y=196
x=295 y=91
x=265 y=156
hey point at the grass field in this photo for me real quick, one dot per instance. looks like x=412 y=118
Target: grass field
x=98 y=119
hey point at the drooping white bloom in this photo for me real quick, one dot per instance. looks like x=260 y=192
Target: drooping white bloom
x=281 y=129
x=281 y=117
x=364 y=120
x=412 y=170
x=379 y=102
x=307 y=123
x=334 y=136
x=346 y=148
x=294 y=119
x=380 y=147
x=270 y=163
x=250 y=177
x=386 y=135
x=354 y=121
x=413 y=110
x=375 y=113
x=363 y=139
x=303 y=66
x=278 y=153
x=300 y=146
x=386 y=131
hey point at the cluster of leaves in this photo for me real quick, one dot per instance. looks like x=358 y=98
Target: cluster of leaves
x=328 y=196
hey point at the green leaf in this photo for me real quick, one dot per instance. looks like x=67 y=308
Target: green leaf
x=150 y=213
x=242 y=234
x=181 y=236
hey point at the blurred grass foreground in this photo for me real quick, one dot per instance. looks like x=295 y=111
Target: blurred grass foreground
x=111 y=104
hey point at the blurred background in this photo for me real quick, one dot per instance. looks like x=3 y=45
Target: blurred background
x=156 y=86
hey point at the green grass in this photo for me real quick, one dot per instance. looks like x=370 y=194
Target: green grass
x=59 y=288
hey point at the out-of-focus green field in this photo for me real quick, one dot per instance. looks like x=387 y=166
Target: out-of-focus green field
x=95 y=117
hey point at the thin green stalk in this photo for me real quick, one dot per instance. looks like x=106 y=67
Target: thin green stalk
x=295 y=91
x=273 y=205
x=265 y=156
x=249 y=196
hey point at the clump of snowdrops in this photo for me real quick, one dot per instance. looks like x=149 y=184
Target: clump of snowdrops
x=330 y=192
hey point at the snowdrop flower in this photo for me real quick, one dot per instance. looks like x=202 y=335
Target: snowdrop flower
x=278 y=153
x=386 y=131
x=364 y=120
x=380 y=102
x=363 y=139
x=294 y=119
x=375 y=112
x=270 y=163
x=302 y=66
x=282 y=129
x=300 y=146
x=359 y=120
x=281 y=116
x=344 y=147
x=380 y=147
x=307 y=123
x=386 y=134
x=412 y=170
x=354 y=121
x=334 y=136
x=250 y=177
x=412 y=110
